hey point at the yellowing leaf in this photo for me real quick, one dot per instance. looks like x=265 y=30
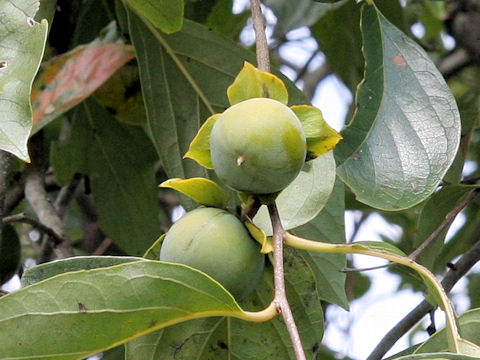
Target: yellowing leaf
x=253 y=83
x=203 y=191
x=321 y=138
x=260 y=236
x=199 y=149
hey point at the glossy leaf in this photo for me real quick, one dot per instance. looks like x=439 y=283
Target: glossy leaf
x=254 y=83
x=89 y=311
x=122 y=177
x=260 y=236
x=22 y=42
x=321 y=138
x=402 y=139
x=47 y=270
x=305 y=197
x=70 y=78
x=327 y=226
x=184 y=80
x=166 y=15
x=203 y=191
x=221 y=338
x=199 y=149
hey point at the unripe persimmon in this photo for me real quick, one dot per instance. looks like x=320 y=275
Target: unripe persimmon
x=258 y=146
x=216 y=242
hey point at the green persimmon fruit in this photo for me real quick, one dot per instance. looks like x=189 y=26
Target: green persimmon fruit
x=258 y=146
x=216 y=242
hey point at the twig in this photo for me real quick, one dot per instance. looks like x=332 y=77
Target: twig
x=57 y=239
x=279 y=280
x=461 y=267
x=104 y=245
x=263 y=57
x=37 y=196
x=66 y=195
x=448 y=219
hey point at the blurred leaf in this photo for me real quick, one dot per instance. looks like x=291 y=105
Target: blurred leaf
x=403 y=138
x=117 y=353
x=47 y=270
x=166 y=15
x=474 y=289
x=10 y=253
x=321 y=138
x=220 y=338
x=328 y=226
x=254 y=83
x=433 y=215
x=203 y=191
x=121 y=95
x=119 y=161
x=68 y=79
x=305 y=197
x=184 y=80
x=89 y=311
x=199 y=149
x=22 y=41
x=222 y=20
x=294 y=14
x=342 y=44
x=93 y=17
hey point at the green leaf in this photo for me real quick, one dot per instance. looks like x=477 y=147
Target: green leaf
x=153 y=252
x=254 y=83
x=321 y=138
x=90 y=311
x=166 y=15
x=469 y=324
x=260 y=236
x=433 y=214
x=199 y=149
x=22 y=41
x=47 y=270
x=203 y=191
x=122 y=177
x=327 y=226
x=305 y=197
x=437 y=356
x=221 y=338
x=294 y=14
x=68 y=79
x=406 y=130
x=184 y=79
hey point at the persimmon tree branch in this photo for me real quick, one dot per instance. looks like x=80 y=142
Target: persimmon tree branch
x=57 y=239
x=280 y=299
x=448 y=219
x=263 y=56
x=37 y=196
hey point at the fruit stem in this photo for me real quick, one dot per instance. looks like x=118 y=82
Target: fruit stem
x=263 y=57
x=280 y=298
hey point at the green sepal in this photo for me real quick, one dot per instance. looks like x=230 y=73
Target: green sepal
x=253 y=83
x=321 y=138
x=260 y=236
x=153 y=252
x=203 y=191
x=199 y=149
